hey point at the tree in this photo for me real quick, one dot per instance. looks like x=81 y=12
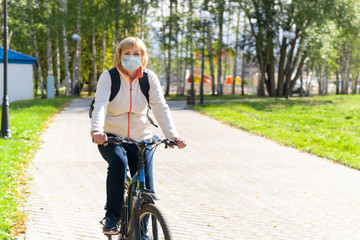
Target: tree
x=210 y=47
x=348 y=29
x=322 y=55
x=236 y=51
x=168 y=69
x=57 y=51
x=48 y=42
x=65 y=47
x=268 y=20
x=220 y=8
x=191 y=43
x=36 y=49
x=103 y=23
x=77 y=55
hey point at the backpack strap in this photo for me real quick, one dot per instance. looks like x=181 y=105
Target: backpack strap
x=145 y=87
x=115 y=82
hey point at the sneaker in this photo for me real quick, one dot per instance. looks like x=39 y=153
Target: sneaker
x=111 y=226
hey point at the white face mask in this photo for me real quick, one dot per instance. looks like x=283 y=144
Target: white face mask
x=131 y=63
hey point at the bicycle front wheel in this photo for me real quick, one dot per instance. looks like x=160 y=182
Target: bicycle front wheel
x=153 y=224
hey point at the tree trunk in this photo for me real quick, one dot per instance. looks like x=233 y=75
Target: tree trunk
x=66 y=49
x=128 y=8
x=211 y=59
x=355 y=83
x=57 y=55
x=178 y=69
x=178 y=61
x=337 y=82
x=57 y=52
x=93 y=44
x=225 y=70
x=263 y=69
x=299 y=72
x=236 y=53
x=163 y=36
x=168 y=68
x=104 y=40
x=347 y=73
x=48 y=43
x=270 y=83
x=262 y=61
x=77 y=59
x=243 y=60
x=281 y=72
x=326 y=80
x=143 y=13
x=289 y=63
x=33 y=36
x=117 y=26
x=320 y=78
x=191 y=57
x=345 y=69
x=78 y=49
x=182 y=50
x=219 y=55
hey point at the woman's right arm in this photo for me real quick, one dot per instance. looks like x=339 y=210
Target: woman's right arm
x=102 y=95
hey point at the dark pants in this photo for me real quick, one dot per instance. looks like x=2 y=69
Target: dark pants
x=118 y=158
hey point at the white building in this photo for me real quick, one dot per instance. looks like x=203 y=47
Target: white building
x=19 y=76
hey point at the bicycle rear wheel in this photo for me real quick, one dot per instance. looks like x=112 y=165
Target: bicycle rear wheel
x=153 y=224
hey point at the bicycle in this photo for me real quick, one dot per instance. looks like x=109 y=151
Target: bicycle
x=140 y=217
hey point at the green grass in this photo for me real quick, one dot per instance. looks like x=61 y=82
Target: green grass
x=174 y=97
x=325 y=126
x=27 y=121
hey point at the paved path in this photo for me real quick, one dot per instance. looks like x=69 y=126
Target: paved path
x=227 y=184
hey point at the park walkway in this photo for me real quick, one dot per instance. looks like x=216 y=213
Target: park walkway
x=227 y=184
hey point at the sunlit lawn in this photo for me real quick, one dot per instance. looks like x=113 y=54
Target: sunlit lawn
x=27 y=120
x=210 y=97
x=326 y=126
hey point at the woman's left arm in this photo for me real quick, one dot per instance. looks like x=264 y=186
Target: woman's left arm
x=161 y=110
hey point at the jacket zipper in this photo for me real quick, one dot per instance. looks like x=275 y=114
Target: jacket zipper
x=128 y=133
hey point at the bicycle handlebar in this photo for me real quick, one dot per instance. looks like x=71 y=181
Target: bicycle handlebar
x=155 y=140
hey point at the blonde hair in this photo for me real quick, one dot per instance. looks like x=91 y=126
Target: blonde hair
x=130 y=42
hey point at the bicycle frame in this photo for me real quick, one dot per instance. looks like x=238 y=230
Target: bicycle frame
x=136 y=194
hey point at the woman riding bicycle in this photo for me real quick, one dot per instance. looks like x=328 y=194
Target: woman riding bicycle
x=126 y=116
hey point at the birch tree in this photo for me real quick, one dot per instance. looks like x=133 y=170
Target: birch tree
x=236 y=51
x=104 y=33
x=65 y=47
x=268 y=20
x=35 y=44
x=77 y=55
x=168 y=67
x=48 y=42
x=93 y=47
x=190 y=42
x=57 y=51
x=103 y=23
x=220 y=9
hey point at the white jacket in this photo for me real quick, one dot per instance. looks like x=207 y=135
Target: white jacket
x=125 y=115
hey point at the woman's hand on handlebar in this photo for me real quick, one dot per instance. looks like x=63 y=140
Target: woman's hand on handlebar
x=181 y=143
x=99 y=138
